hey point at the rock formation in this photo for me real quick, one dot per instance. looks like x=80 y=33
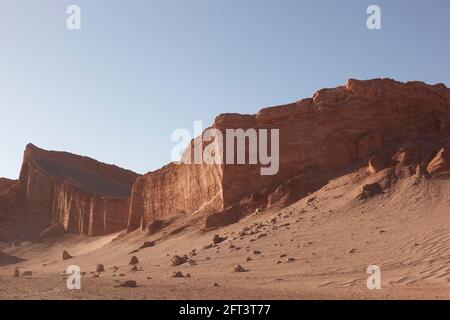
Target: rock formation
x=378 y=124
x=381 y=120
x=79 y=193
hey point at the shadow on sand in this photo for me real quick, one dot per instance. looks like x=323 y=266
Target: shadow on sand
x=6 y=259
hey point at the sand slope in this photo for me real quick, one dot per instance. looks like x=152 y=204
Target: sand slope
x=318 y=248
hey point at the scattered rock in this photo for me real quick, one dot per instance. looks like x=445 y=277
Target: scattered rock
x=147 y=244
x=128 y=284
x=177 y=260
x=218 y=239
x=177 y=274
x=134 y=268
x=370 y=190
x=192 y=262
x=441 y=162
x=377 y=163
x=66 y=255
x=134 y=260
x=240 y=268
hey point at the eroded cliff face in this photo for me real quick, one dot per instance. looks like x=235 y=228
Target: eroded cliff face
x=319 y=137
x=380 y=124
x=84 y=195
x=175 y=189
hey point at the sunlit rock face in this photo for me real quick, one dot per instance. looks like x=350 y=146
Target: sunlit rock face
x=84 y=195
x=378 y=125
x=319 y=137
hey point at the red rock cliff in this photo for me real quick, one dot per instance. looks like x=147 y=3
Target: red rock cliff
x=319 y=137
x=84 y=195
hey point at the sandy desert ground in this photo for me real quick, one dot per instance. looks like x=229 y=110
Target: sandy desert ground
x=317 y=248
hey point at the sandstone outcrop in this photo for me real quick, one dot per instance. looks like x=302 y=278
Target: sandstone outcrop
x=80 y=194
x=66 y=255
x=375 y=124
x=441 y=162
x=389 y=122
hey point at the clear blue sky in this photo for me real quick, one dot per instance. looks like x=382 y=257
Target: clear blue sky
x=137 y=70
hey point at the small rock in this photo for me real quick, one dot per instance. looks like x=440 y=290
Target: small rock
x=240 y=268
x=16 y=272
x=66 y=255
x=256 y=252
x=248 y=259
x=147 y=244
x=192 y=262
x=177 y=274
x=27 y=273
x=100 y=268
x=134 y=260
x=177 y=260
x=129 y=284
x=218 y=239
